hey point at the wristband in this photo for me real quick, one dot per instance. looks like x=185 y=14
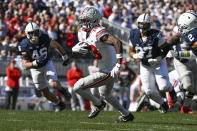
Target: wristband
x=118 y=56
x=187 y=54
x=34 y=63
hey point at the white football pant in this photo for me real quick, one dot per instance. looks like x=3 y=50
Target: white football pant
x=41 y=75
x=105 y=83
x=150 y=77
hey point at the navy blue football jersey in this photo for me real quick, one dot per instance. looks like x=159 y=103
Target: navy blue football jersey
x=149 y=46
x=191 y=38
x=34 y=51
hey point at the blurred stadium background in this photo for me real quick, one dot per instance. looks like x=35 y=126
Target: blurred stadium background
x=58 y=18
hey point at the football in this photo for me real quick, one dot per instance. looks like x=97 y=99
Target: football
x=81 y=48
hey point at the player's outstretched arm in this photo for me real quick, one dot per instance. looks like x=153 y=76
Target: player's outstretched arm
x=61 y=51
x=58 y=47
x=112 y=40
x=167 y=46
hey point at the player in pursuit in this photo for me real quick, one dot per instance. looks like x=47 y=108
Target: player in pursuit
x=34 y=50
x=107 y=49
x=145 y=47
x=187 y=33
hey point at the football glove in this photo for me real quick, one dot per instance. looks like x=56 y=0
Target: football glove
x=65 y=59
x=139 y=55
x=115 y=70
x=155 y=62
x=174 y=53
x=81 y=47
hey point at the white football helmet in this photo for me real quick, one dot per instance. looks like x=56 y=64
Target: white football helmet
x=32 y=31
x=89 y=17
x=187 y=22
x=144 y=22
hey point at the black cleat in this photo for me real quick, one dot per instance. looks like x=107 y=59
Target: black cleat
x=164 y=108
x=95 y=112
x=59 y=107
x=127 y=118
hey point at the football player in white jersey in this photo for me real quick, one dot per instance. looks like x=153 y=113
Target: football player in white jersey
x=145 y=48
x=107 y=49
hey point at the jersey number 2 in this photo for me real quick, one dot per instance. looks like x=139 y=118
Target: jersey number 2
x=191 y=38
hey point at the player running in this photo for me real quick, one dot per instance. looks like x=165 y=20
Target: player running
x=107 y=49
x=145 y=47
x=187 y=49
x=35 y=55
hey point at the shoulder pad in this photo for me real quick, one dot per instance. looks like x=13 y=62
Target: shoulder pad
x=100 y=31
x=134 y=35
x=44 y=39
x=133 y=32
x=23 y=45
x=44 y=36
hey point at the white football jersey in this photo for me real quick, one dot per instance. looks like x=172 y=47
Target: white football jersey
x=104 y=53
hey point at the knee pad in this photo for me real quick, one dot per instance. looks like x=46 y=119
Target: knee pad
x=78 y=85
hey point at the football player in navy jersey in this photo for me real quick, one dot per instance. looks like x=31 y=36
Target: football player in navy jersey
x=187 y=32
x=145 y=48
x=34 y=50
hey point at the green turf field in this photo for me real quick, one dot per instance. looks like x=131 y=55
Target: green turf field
x=78 y=121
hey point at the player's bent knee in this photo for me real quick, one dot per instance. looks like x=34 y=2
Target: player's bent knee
x=78 y=85
x=165 y=87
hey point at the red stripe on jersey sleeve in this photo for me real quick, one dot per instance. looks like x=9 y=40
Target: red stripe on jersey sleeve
x=101 y=32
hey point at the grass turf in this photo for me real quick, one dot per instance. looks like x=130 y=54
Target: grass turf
x=78 y=121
